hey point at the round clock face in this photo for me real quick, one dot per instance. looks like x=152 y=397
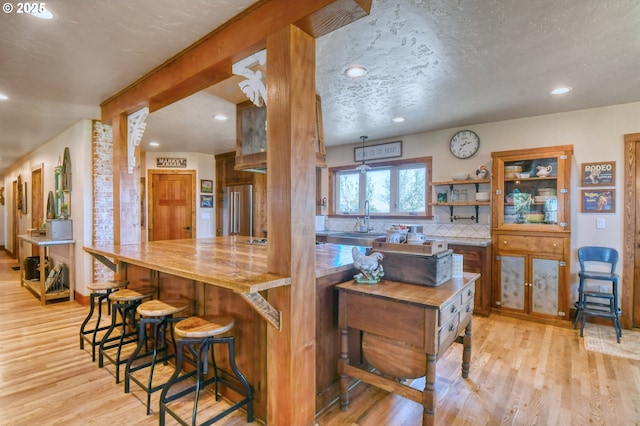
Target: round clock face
x=464 y=144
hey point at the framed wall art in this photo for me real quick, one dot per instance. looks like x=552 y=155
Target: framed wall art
x=375 y=152
x=598 y=174
x=598 y=200
x=206 y=186
x=206 y=201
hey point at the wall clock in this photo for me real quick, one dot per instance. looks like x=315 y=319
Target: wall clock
x=464 y=144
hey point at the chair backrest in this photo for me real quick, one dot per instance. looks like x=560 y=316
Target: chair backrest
x=598 y=254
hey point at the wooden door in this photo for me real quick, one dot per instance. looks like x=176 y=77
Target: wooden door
x=37 y=199
x=37 y=214
x=171 y=205
x=14 y=219
x=630 y=280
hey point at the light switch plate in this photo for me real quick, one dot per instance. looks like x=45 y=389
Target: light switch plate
x=600 y=223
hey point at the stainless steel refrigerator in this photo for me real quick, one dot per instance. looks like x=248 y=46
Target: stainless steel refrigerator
x=237 y=204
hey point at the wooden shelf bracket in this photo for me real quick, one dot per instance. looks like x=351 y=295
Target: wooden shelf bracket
x=106 y=262
x=264 y=308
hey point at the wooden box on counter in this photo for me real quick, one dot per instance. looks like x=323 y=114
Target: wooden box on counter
x=429 y=270
x=429 y=247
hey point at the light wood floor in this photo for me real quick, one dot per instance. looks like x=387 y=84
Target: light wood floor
x=522 y=373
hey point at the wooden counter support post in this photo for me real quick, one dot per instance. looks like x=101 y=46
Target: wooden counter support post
x=291 y=362
x=126 y=196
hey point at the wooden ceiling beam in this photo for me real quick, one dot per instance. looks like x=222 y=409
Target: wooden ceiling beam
x=209 y=60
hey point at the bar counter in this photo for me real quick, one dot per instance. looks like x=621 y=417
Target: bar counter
x=228 y=262
x=226 y=276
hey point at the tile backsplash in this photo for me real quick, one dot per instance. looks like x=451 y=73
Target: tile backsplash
x=460 y=230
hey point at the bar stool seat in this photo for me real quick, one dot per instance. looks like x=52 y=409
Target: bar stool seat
x=99 y=292
x=199 y=336
x=157 y=314
x=123 y=304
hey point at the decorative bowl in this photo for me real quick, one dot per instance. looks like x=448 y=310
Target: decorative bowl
x=460 y=176
x=547 y=191
x=523 y=175
x=534 y=217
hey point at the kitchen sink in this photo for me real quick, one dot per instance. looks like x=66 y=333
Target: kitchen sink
x=354 y=238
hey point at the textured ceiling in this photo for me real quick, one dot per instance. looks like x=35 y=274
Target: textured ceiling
x=439 y=63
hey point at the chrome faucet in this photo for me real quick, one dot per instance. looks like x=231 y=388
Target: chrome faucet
x=367 y=216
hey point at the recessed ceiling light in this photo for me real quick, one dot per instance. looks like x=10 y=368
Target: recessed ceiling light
x=397 y=119
x=560 y=90
x=3 y=97
x=355 y=71
x=220 y=117
x=154 y=144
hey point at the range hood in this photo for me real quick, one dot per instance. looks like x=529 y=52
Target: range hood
x=251 y=137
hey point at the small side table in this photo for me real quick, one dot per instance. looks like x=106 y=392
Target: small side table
x=38 y=287
x=406 y=328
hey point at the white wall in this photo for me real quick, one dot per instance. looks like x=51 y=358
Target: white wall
x=596 y=135
x=205 y=167
x=49 y=155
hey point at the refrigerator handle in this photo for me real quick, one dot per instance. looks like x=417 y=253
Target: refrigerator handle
x=235 y=213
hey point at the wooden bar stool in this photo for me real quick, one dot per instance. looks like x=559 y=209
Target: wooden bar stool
x=123 y=305
x=99 y=293
x=199 y=336
x=157 y=314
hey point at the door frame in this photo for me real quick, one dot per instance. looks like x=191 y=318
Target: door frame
x=37 y=205
x=15 y=221
x=150 y=174
x=630 y=295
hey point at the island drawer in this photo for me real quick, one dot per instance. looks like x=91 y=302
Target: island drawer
x=448 y=333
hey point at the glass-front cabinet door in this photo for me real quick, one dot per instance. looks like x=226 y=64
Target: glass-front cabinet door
x=512 y=282
x=529 y=284
x=545 y=276
x=531 y=189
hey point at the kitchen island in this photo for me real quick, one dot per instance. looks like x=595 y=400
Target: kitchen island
x=228 y=276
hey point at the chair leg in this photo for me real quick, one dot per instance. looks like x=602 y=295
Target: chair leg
x=243 y=380
x=92 y=305
x=584 y=319
x=579 y=303
x=165 y=391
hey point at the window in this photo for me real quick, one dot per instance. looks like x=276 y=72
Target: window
x=393 y=188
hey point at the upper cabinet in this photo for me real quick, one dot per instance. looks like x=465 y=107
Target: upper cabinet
x=530 y=189
x=251 y=137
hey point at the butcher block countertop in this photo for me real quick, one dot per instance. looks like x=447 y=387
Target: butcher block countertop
x=227 y=262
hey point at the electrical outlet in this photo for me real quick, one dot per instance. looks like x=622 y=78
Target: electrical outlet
x=600 y=223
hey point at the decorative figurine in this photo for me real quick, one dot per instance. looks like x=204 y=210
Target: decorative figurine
x=482 y=172
x=370 y=270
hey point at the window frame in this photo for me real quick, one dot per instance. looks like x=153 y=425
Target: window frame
x=423 y=161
